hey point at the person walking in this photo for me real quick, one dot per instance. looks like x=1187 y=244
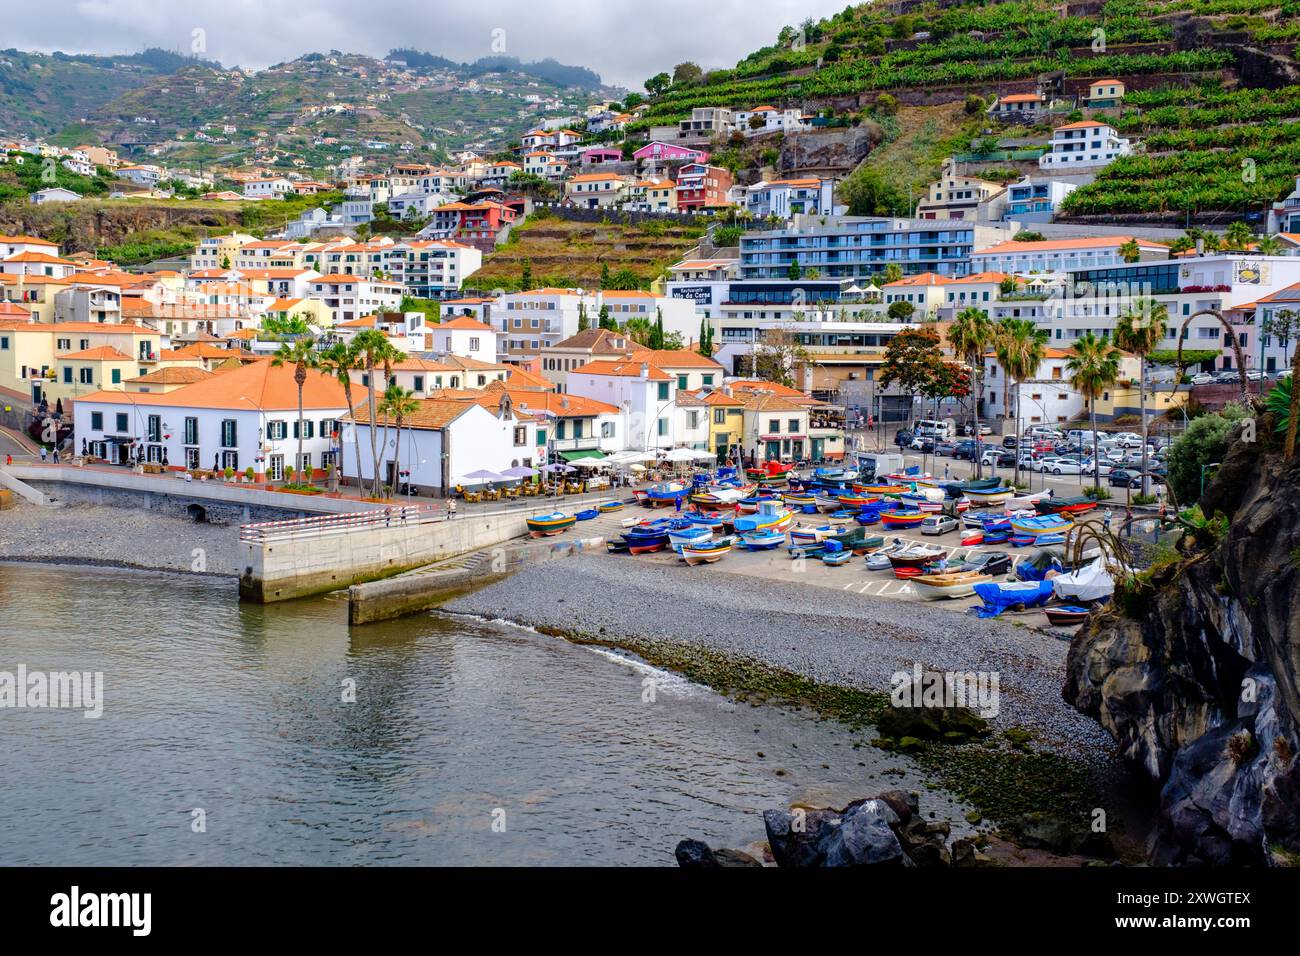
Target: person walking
x=451 y=508
x=44 y=452
x=56 y=454
x=1105 y=521
x=1128 y=522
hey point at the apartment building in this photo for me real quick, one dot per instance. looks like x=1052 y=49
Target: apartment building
x=350 y=297
x=1083 y=145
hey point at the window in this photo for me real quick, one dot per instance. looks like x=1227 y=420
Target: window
x=67 y=374
x=663 y=427
x=419 y=383
x=275 y=467
x=191 y=458
x=229 y=433
x=4 y=343
x=606 y=429
x=306 y=426
x=117 y=376
x=122 y=422
x=191 y=431
x=719 y=416
x=276 y=430
x=683 y=382
x=230 y=459
x=154 y=432
x=794 y=426
x=774 y=426
x=86 y=375
x=559 y=430
x=327 y=459
x=327 y=427
x=707 y=379
x=304 y=464
x=521 y=435
x=663 y=391
x=97 y=421
x=692 y=420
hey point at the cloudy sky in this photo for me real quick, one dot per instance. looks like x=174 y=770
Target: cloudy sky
x=625 y=41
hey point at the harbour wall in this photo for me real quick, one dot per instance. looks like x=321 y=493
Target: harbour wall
x=414 y=593
x=301 y=564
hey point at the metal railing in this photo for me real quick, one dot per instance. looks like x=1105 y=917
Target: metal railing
x=321 y=525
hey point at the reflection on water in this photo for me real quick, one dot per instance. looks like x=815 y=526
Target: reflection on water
x=239 y=710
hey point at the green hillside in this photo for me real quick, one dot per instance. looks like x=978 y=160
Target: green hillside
x=1192 y=65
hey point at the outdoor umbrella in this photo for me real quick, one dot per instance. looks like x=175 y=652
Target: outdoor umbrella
x=519 y=472
x=680 y=454
x=483 y=475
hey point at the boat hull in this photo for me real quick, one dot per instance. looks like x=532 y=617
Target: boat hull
x=545 y=527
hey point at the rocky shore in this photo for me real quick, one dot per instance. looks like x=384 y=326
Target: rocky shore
x=832 y=638
x=116 y=537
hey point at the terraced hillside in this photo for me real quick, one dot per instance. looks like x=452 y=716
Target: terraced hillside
x=561 y=253
x=1202 y=76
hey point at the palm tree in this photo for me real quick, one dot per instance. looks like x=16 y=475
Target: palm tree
x=640 y=330
x=1131 y=251
x=1269 y=246
x=401 y=404
x=970 y=336
x=1021 y=347
x=1093 y=364
x=373 y=350
x=340 y=361
x=1238 y=235
x=1139 y=330
x=300 y=353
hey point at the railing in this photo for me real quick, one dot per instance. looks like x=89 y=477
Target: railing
x=322 y=525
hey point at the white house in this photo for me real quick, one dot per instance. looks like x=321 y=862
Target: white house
x=645 y=393
x=352 y=297
x=1083 y=145
x=240 y=419
x=786 y=197
x=443 y=442
x=463 y=336
x=54 y=194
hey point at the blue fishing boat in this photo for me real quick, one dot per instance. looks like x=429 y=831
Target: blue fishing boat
x=609 y=507
x=694 y=535
x=587 y=515
x=762 y=540
x=835 y=555
x=1042 y=524
x=546 y=525
x=709 y=519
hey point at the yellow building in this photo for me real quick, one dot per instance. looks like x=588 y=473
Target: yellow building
x=103 y=368
x=166 y=379
x=30 y=356
x=726 y=418
x=34 y=294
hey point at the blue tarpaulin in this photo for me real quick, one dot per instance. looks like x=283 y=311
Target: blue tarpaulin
x=998 y=598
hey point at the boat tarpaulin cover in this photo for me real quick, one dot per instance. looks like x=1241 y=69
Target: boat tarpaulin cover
x=1039 y=562
x=1090 y=583
x=1002 y=597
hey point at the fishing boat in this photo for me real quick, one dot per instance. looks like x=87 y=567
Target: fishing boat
x=1092 y=582
x=694 y=535
x=959 y=488
x=1042 y=524
x=902 y=519
x=916 y=556
x=587 y=514
x=644 y=539
x=878 y=560
x=999 y=597
x=617 y=547
x=770 y=473
x=1021 y=540
x=762 y=540
x=928 y=500
x=836 y=555
x=546 y=525
x=750 y=504
x=610 y=507
x=972 y=538
x=984 y=497
x=716 y=497
x=710 y=519
x=949 y=584
x=1066 y=615
x=997 y=537
x=877 y=490
x=1074 y=506
x=858 y=501
x=802 y=534
x=665 y=493
x=1044 y=539
x=775 y=520
x=827 y=505
x=708 y=552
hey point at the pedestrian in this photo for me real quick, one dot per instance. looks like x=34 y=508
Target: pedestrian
x=451 y=508
x=9 y=459
x=44 y=452
x=678 y=500
x=1128 y=522
x=1105 y=521
x=945 y=471
x=56 y=454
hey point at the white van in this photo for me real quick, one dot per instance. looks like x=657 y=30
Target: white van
x=879 y=465
x=944 y=429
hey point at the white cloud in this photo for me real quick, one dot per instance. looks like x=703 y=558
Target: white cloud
x=624 y=41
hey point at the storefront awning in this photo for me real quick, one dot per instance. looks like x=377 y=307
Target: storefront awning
x=577 y=455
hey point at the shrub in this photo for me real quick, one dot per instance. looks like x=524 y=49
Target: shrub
x=1205 y=442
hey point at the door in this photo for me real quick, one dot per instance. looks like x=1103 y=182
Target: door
x=37 y=392
x=773 y=451
x=818 y=447
x=275 y=467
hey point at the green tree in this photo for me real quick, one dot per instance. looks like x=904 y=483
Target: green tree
x=866 y=193
x=640 y=330
x=604 y=275
x=1130 y=251
x=399 y=404
x=526 y=275
x=584 y=323
x=1283 y=400
x=795 y=272
x=374 y=352
x=1021 y=347
x=1093 y=364
x=778 y=354
x=1204 y=442
x=893 y=272
x=686 y=73
x=1238 y=236
x=913 y=360
x=605 y=321
x=301 y=354
x=340 y=361
x=970 y=335
x=657 y=339
x=1139 y=330
x=901 y=311
x=658 y=84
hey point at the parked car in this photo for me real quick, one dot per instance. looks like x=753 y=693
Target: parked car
x=969 y=429
x=1106 y=467
x=986 y=562
x=1061 y=466
x=922 y=443
x=1202 y=378
x=938 y=524
x=902 y=438
x=1010 y=441
x=946 y=448
x=1028 y=462
x=964 y=450
x=1132 y=478
x=1227 y=377
x=1127 y=440
x=999 y=457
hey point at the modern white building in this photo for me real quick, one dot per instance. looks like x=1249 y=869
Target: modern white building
x=645 y=394
x=1082 y=145
x=787 y=197
x=464 y=336
x=1062 y=255
x=352 y=297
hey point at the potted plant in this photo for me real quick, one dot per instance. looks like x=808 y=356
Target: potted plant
x=288 y=474
x=229 y=473
x=248 y=474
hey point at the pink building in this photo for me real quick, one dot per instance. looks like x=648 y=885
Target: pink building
x=602 y=156
x=667 y=152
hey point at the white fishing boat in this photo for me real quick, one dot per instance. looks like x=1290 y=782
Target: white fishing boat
x=952 y=584
x=1092 y=582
